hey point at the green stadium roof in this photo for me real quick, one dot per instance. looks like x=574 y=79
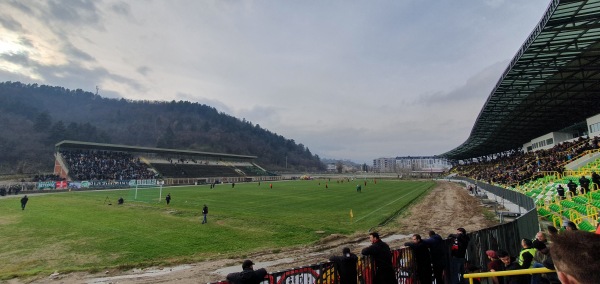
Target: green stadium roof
x=68 y=144
x=552 y=82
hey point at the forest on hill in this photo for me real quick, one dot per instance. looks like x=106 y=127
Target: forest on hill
x=33 y=118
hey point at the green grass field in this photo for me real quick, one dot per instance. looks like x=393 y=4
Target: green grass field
x=80 y=231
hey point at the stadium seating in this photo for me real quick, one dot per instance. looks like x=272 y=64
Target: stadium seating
x=194 y=170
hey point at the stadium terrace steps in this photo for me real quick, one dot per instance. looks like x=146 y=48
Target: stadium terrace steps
x=580 y=200
x=544 y=213
x=581 y=209
x=555 y=208
x=586 y=226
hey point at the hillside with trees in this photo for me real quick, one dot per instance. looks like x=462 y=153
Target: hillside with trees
x=33 y=118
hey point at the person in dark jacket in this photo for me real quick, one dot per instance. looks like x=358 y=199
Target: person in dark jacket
x=204 y=214
x=24 y=202
x=585 y=185
x=571 y=226
x=458 y=251
x=560 y=191
x=381 y=254
x=345 y=265
x=422 y=258
x=511 y=263
x=168 y=198
x=437 y=250
x=248 y=275
x=572 y=187
x=596 y=181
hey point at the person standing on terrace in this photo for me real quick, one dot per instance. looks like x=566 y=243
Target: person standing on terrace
x=585 y=185
x=381 y=254
x=346 y=266
x=458 y=252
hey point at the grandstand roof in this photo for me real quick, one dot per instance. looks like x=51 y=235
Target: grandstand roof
x=552 y=82
x=113 y=147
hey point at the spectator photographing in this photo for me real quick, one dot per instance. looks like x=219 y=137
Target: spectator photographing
x=460 y=241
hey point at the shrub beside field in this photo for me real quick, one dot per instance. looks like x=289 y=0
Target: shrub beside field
x=80 y=231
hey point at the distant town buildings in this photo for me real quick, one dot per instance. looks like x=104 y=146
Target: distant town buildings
x=411 y=164
x=384 y=165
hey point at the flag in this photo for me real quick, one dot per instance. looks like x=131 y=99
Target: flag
x=351 y=215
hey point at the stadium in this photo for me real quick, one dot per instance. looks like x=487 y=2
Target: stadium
x=537 y=133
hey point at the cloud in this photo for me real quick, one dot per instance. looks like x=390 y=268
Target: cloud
x=74 y=11
x=24 y=41
x=9 y=23
x=75 y=53
x=21 y=7
x=144 y=70
x=121 y=8
x=348 y=80
x=265 y=114
x=71 y=75
x=475 y=88
x=16 y=77
x=21 y=59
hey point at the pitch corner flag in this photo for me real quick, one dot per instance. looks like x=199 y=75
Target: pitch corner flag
x=351 y=215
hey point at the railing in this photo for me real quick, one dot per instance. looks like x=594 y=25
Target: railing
x=505 y=236
x=325 y=273
x=471 y=276
x=587 y=152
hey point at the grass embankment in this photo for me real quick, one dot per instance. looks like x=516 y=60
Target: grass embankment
x=79 y=231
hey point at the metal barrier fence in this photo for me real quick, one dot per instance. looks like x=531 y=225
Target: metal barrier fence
x=504 y=236
x=319 y=273
x=325 y=273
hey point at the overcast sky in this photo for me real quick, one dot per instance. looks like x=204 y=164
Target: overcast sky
x=353 y=80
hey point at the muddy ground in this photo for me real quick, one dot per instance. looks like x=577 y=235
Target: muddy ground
x=447 y=207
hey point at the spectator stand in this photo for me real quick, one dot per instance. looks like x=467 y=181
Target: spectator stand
x=85 y=161
x=514 y=171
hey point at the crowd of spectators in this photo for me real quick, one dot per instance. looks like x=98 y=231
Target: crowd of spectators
x=571 y=253
x=105 y=165
x=46 y=177
x=517 y=167
x=10 y=189
x=188 y=160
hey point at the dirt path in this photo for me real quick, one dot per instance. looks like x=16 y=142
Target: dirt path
x=447 y=207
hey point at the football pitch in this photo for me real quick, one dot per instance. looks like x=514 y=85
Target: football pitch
x=76 y=231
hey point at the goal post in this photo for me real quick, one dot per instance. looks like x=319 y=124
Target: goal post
x=147 y=192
